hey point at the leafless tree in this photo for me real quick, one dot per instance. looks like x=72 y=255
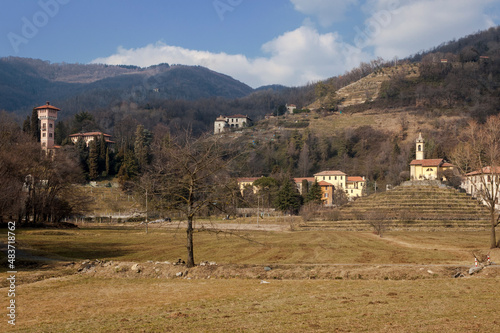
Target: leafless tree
x=378 y=220
x=189 y=175
x=478 y=157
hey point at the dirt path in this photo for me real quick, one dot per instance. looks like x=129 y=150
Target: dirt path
x=225 y=226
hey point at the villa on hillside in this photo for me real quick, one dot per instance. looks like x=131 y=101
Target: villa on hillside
x=487 y=179
x=290 y=108
x=223 y=123
x=427 y=169
x=329 y=181
x=90 y=136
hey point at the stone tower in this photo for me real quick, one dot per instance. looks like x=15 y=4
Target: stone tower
x=48 y=116
x=419 y=147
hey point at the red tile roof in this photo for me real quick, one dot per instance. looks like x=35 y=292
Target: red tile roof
x=91 y=134
x=428 y=163
x=330 y=173
x=485 y=170
x=247 y=179
x=355 y=179
x=47 y=106
x=323 y=183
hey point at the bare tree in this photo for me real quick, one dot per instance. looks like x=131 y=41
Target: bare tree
x=378 y=220
x=189 y=175
x=478 y=158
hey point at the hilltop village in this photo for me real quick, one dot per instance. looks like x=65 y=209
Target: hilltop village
x=422 y=171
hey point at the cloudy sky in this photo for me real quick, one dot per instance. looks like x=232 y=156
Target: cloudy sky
x=259 y=42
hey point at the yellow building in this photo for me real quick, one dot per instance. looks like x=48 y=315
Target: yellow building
x=427 y=169
x=329 y=181
x=356 y=187
x=245 y=182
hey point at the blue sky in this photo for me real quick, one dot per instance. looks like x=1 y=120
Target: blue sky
x=259 y=42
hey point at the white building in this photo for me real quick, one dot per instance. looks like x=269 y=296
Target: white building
x=90 y=136
x=483 y=183
x=290 y=108
x=223 y=123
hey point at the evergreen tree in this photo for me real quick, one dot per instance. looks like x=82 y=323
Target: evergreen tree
x=314 y=195
x=35 y=126
x=288 y=199
x=27 y=125
x=107 y=164
x=60 y=133
x=129 y=167
x=83 y=153
x=93 y=160
x=142 y=142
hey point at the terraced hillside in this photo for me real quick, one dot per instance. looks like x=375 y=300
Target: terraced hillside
x=368 y=88
x=407 y=207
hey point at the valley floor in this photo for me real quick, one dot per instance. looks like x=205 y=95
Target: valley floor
x=113 y=279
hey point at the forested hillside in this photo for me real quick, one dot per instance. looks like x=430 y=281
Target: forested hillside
x=76 y=87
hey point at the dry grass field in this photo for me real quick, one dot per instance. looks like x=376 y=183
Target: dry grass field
x=319 y=281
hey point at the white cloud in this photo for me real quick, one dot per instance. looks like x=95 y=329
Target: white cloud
x=401 y=28
x=294 y=58
x=327 y=11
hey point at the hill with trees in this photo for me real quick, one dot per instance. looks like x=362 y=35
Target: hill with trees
x=24 y=82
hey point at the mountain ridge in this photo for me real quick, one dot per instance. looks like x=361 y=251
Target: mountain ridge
x=25 y=81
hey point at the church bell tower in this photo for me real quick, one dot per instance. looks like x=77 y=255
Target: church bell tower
x=419 y=147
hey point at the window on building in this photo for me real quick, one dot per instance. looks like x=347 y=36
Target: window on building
x=50 y=135
x=50 y=125
x=43 y=135
x=335 y=177
x=419 y=148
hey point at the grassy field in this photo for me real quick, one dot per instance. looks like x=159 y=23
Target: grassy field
x=308 y=290
x=254 y=247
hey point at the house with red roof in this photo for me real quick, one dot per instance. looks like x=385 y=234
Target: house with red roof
x=331 y=180
x=356 y=187
x=90 y=136
x=427 y=169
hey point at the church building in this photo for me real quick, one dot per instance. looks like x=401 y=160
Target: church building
x=427 y=169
